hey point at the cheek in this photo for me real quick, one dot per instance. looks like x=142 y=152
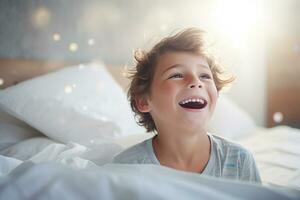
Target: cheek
x=165 y=94
x=168 y=89
x=214 y=94
x=171 y=88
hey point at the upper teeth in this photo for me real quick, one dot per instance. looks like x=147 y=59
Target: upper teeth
x=192 y=100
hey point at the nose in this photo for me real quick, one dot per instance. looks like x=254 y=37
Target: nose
x=199 y=85
x=195 y=83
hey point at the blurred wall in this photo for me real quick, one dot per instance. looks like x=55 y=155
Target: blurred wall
x=110 y=30
x=79 y=30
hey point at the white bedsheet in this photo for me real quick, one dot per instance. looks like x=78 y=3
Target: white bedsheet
x=277 y=153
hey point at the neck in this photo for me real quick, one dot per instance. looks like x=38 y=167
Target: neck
x=181 y=148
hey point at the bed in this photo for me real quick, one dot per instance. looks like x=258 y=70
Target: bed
x=61 y=123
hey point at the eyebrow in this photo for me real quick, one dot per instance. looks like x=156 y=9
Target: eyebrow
x=179 y=65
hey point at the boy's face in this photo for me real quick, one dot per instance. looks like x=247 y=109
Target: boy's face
x=183 y=93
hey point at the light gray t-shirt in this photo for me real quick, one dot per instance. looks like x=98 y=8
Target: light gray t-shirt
x=227 y=160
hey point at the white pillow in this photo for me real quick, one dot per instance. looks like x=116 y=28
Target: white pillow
x=82 y=104
x=229 y=120
x=27 y=148
x=13 y=130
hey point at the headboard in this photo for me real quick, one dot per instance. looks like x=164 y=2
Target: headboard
x=14 y=71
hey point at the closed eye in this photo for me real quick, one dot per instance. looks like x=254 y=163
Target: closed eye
x=175 y=76
x=205 y=76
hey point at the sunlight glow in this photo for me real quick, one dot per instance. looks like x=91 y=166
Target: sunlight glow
x=278 y=117
x=91 y=42
x=73 y=47
x=56 y=37
x=81 y=66
x=164 y=27
x=41 y=17
x=68 y=89
x=236 y=18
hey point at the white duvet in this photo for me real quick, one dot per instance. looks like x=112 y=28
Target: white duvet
x=113 y=181
x=72 y=154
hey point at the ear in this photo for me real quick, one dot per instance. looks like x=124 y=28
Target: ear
x=142 y=104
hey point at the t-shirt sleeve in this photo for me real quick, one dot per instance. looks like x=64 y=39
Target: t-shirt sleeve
x=118 y=159
x=137 y=154
x=129 y=156
x=249 y=171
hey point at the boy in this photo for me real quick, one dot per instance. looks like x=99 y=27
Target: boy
x=173 y=91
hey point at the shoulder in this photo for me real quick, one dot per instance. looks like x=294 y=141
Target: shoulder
x=235 y=157
x=228 y=148
x=134 y=155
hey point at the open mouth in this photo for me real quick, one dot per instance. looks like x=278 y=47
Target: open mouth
x=193 y=103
